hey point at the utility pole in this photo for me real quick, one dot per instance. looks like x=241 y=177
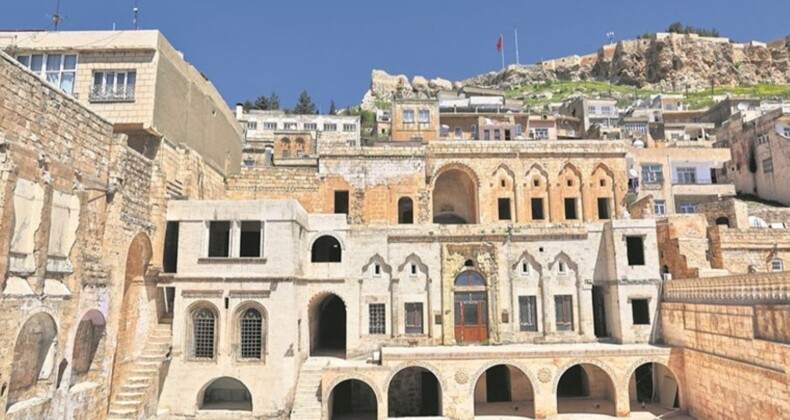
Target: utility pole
x=57 y=18
x=135 y=20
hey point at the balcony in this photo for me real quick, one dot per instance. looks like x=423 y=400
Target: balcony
x=701 y=187
x=112 y=93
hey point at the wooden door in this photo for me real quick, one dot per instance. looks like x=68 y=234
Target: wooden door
x=471 y=318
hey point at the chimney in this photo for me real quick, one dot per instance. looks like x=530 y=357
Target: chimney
x=239 y=112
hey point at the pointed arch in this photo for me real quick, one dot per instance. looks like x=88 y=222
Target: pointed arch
x=377 y=259
x=503 y=167
x=601 y=166
x=537 y=167
x=415 y=259
x=569 y=166
x=563 y=257
x=526 y=256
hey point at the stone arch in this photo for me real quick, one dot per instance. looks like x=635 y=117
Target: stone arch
x=326 y=247
x=504 y=168
x=377 y=259
x=605 y=367
x=455 y=195
x=570 y=192
x=562 y=256
x=626 y=380
x=193 y=311
x=723 y=220
x=236 y=341
x=605 y=394
x=414 y=258
x=224 y=393
x=33 y=358
x=537 y=168
x=327 y=324
x=89 y=340
x=328 y=394
x=413 y=376
x=602 y=192
x=405 y=210
x=520 y=366
x=536 y=195
x=527 y=256
x=502 y=386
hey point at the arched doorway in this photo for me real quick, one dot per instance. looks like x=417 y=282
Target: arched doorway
x=34 y=359
x=653 y=388
x=328 y=326
x=353 y=399
x=586 y=388
x=471 y=309
x=405 y=211
x=132 y=307
x=226 y=394
x=326 y=249
x=414 y=392
x=454 y=198
x=723 y=221
x=504 y=390
x=90 y=334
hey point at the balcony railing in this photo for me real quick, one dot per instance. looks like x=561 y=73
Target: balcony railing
x=112 y=93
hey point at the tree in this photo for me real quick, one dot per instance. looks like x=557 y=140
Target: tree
x=265 y=103
x=248 y=105
x=332 y=107
x=305 y=105
x=679 y=28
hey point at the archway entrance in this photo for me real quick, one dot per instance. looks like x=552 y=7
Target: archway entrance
x=471 y=310
x=653 y=388
x=328 y=326
x=454 y=198
x=414 y=392
x=34 y=359
x=504 y=390
x=226 y=394
x=353 y=399
x=586 y=388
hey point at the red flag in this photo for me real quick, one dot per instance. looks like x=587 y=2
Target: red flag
x=499 y=44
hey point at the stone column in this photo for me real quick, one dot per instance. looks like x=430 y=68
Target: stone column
x=545 y=297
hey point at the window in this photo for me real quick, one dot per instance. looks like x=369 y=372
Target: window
x=762 y=139
x=251 y=125
x=686 y=175
x=563 y=309
x=786 y=131
x=289 y=126
x=777 y=265
x=768 y=165
x=603 y=208
x=444 y=131
x=58 y=69
x=536 y=183
x=170 y=257
x=377 y=319
x=270 y=126
x=504 y=209
x=218 y=239
x=251 y=332
x=524 y=268
x=424 y=116
x=636 y=250
x=562 y=268
x=497 y=135
x=659 y=207
x=250 y=239
x=330 y=127
x=341 y=202
x=414 y=318
x=376 y=270
x=652 y=173
x=203 y=334
x=459 y=133
x=541 y=133
x=569 y=182
x=640 y=309
x=537 y=209
x=688 y=208
x=591 y=109
x=310 y=126
x=528 y=313
x=486 y=134
x=408 y=116
x=405 y=211
x=412 y=269
x=570 y=209
x=507 y=135
x=474 y=131
x=326 y=249
x=606 y=110
x=349 y=128
x=518 y=130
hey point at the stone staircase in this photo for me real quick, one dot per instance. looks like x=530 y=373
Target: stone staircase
x=131 y=398
x=307 y=397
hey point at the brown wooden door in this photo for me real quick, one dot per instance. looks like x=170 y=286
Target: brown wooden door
x=471 y=319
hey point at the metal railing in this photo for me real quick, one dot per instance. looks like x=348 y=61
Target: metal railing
x=112 y=93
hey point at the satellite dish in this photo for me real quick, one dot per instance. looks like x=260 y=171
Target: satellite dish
x=757 y=223
x=638 y=144
x=632 y=173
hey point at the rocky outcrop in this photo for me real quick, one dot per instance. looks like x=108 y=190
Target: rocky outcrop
x=670 y=61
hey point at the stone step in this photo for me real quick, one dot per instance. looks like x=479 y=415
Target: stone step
x=131 y=396
x=138 y=380
x=125 y=404
x=124 y=413
x=134 y=387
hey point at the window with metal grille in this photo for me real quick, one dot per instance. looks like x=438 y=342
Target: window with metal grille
x=563 y=307
x=377 y=318
x=251 y=330
x=203 y=334
x=414 y=318
x=528 y=311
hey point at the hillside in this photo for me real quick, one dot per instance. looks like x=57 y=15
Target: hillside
x=662 y=62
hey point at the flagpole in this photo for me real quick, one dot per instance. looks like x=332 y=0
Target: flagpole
x=515 y=35
x=503 y=51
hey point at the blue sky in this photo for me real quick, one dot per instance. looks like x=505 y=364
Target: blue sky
x=252 y=47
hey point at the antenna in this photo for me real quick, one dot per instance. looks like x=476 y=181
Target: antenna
x=57 y=18
x=515 y=34
x=610 y=35
x=136 y=11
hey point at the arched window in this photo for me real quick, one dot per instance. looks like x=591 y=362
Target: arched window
x=203 y=330
x=405 y=211
x=326 y=249
x=723 y=221
x=470 y=278
x=251 y=334
x=777 y=265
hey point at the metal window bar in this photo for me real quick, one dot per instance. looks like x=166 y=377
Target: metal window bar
x=203 y=332
x=377 y=319
x=251 y=330
x=112 y=93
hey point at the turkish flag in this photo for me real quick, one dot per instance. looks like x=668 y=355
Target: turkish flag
x=499 y=44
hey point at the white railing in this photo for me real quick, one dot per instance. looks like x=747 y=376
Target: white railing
x=112 y=93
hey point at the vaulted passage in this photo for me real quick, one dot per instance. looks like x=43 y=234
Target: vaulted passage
x=504 y=390
x=454 y=198
x=585 y=388
x=653 y=388
x=226 y=394
x=328 y=326
x=414 y=392
x=353 y=399
x=34 y=359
